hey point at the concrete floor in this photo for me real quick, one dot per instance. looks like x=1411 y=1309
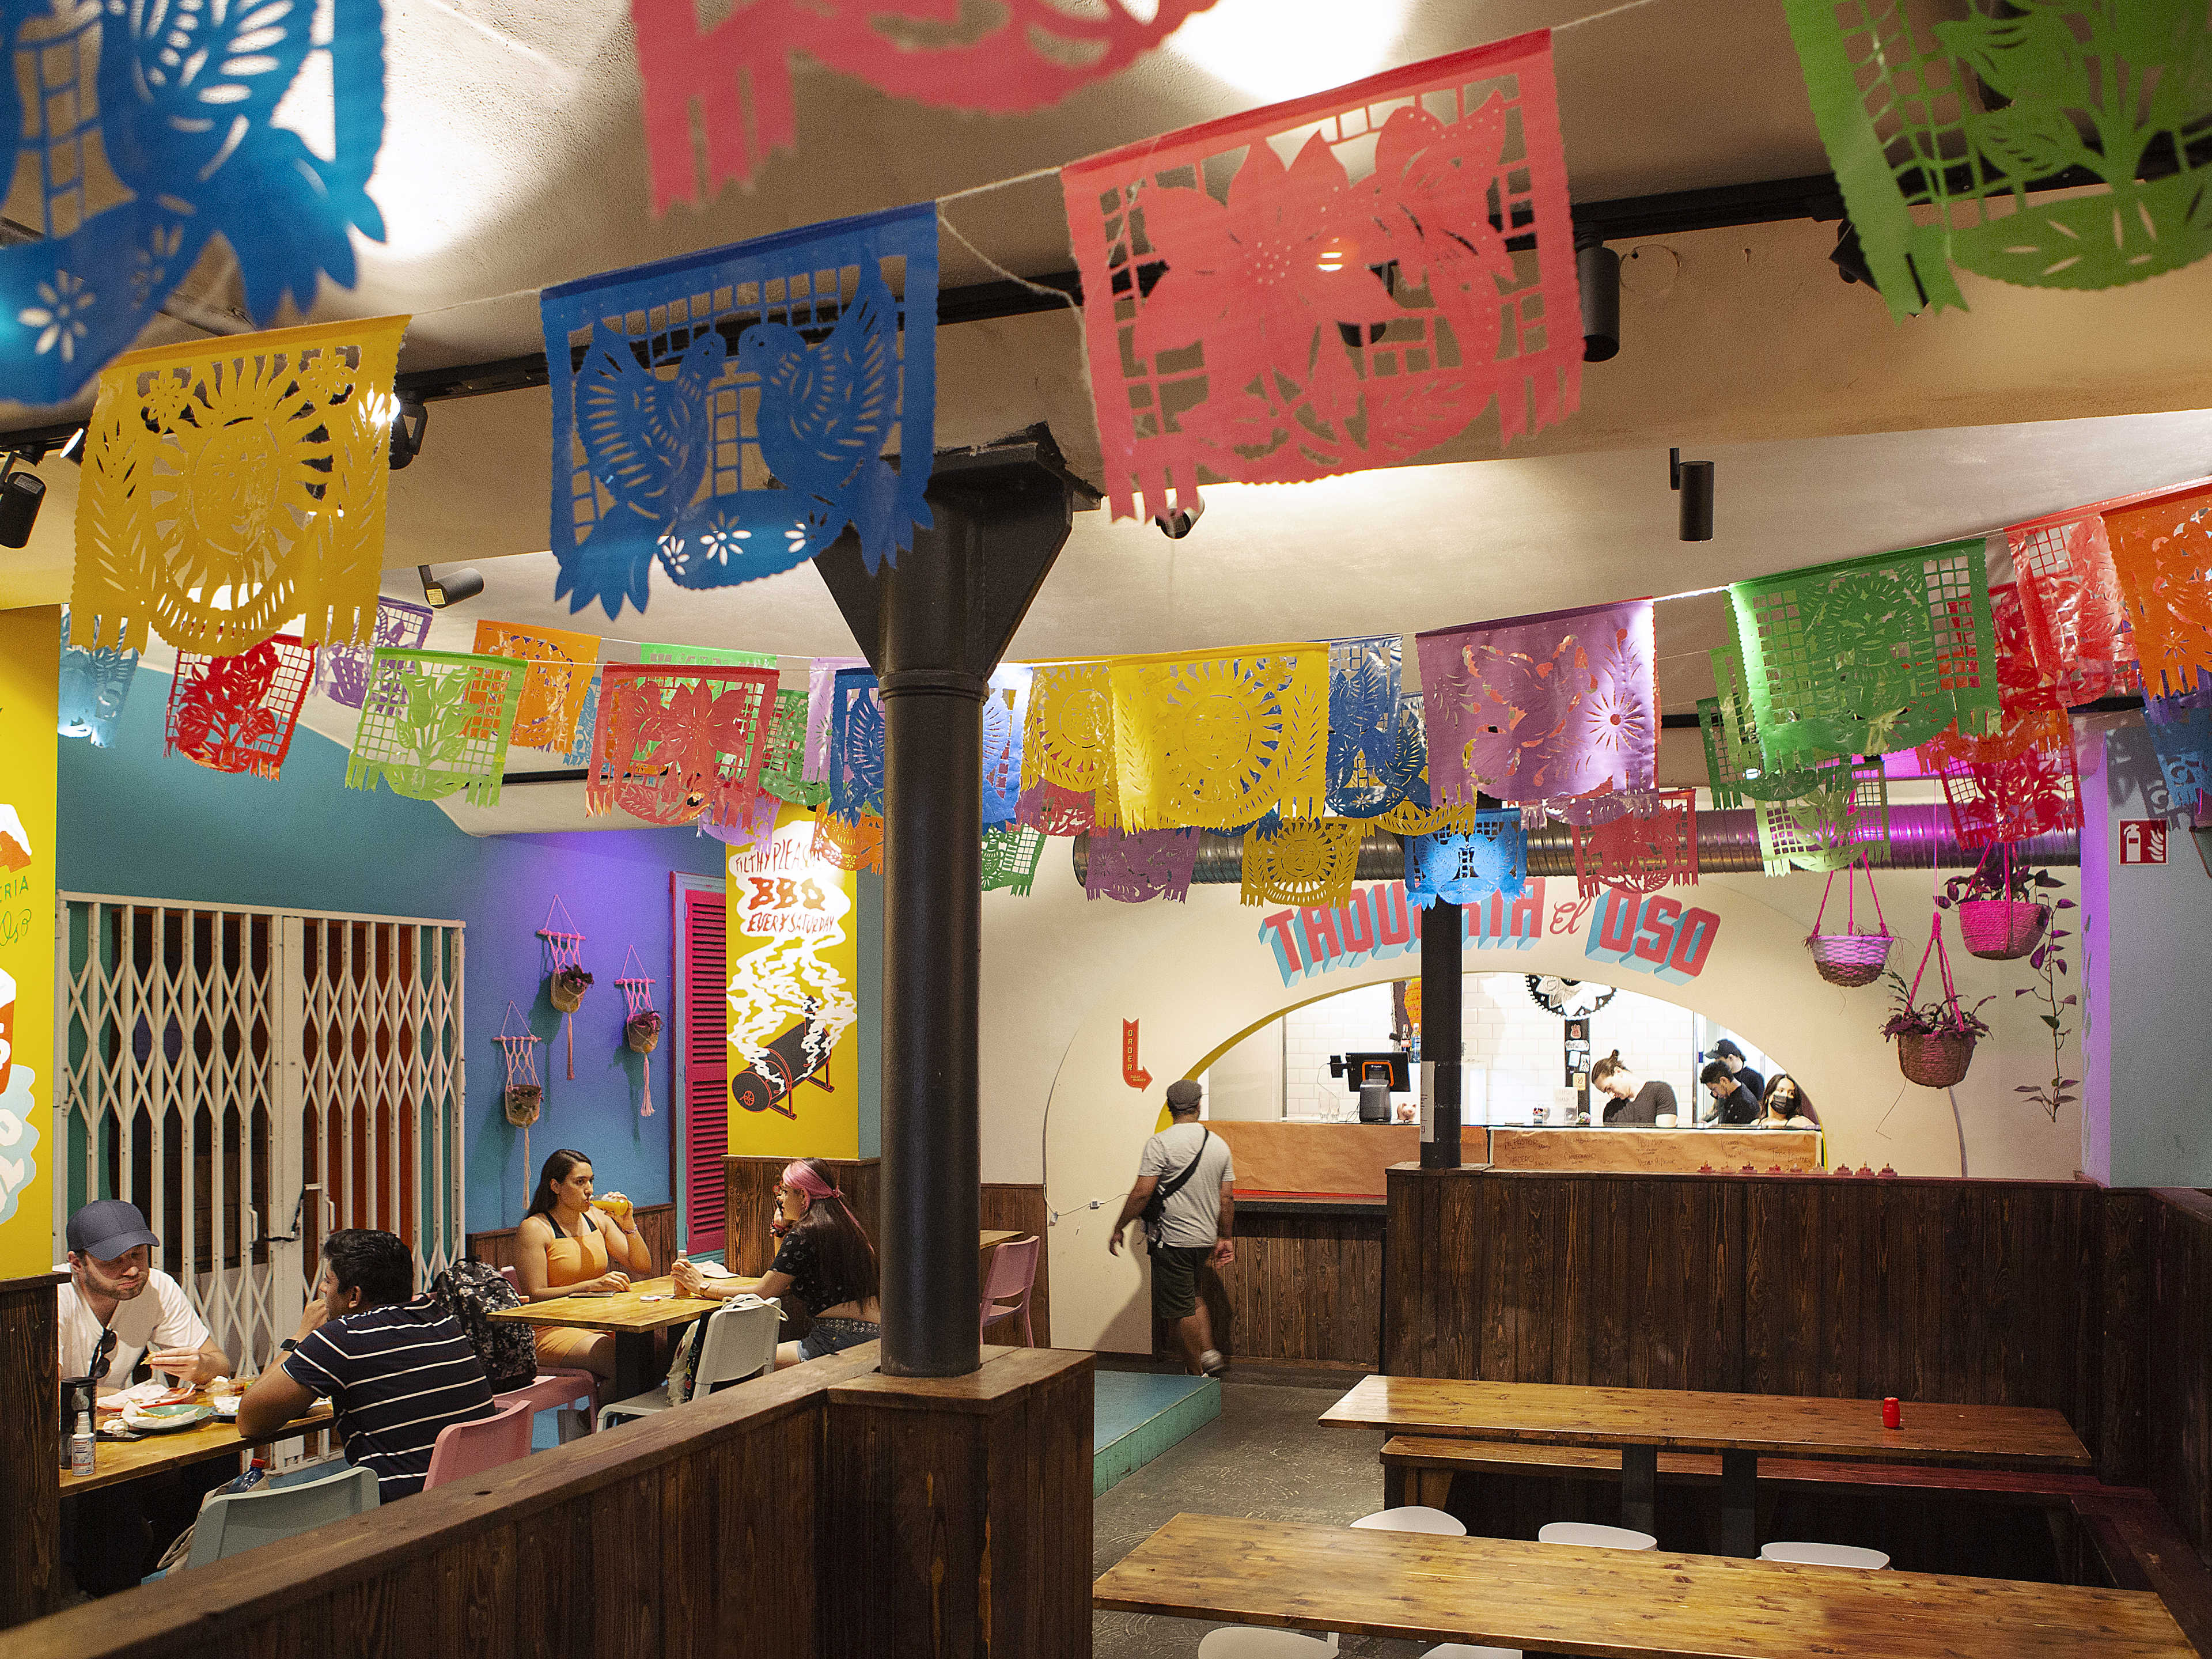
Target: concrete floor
x=1266 y=1456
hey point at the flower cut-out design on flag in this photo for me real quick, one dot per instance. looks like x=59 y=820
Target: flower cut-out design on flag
x=1541 y=709
x=434 y=723
x=94 y=686
x=1009 y=859
x=1005 y=713
x=341 y=671
x=1211 y=742
x=821 y=681
x=1642 y=850
x=2069 y=597
x=2030 y=787
x=2162 y=551
x=856 y=745
x=231 y=485
x=1306 y=862
x=1939 y=127
x=1843 y=816
x=1465 y=866
x=1869 y=655
x=679 y=742
x=996 y=58
x=1068 y=783
x=1384 y=261
x=1376 y=753
x=733 y=410
x=847 y=844
x=1147 y=864
x=783 y=769
x=2181 y=733
x=237 y=713
x=555 y=690
x=151 y=130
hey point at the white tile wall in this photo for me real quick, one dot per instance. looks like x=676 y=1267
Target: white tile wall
x=1516 y=1045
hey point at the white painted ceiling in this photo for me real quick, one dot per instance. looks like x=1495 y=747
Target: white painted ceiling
x=514 y=160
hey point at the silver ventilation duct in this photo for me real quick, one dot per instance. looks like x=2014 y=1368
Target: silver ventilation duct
x=1920 y=838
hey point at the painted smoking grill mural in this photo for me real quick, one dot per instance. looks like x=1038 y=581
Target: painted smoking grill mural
x=178 y=1093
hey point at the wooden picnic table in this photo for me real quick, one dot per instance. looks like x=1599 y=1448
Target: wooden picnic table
x=631 y=1317
x=115 y=1461
x=1625 y=1604
x=1739 y=1427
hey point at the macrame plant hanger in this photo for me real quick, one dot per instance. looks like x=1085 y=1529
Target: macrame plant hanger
x=568 y=979
x=524 y=1095
x=642 y=1029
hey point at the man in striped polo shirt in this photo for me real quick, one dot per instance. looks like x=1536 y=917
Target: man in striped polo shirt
x=395 y=1366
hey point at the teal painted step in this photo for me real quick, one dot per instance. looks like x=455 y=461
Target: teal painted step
x=1137 y=1415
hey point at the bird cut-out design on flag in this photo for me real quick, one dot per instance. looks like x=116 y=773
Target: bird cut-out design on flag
x=730 y=414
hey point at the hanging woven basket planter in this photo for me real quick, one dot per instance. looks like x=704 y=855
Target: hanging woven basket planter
x=1935 y=1060
x=521 y=1101
x=2001 y=930
x=566 y=989
x=642 y=1034
x=1849 y=958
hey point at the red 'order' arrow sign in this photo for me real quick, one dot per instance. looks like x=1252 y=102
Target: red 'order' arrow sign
x=1132 y=1073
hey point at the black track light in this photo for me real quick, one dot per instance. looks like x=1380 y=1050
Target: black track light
x=407 y=428
x=1597 y=270
x=1179 y=523
x=21 y=493
x=449 y=590
x=1694 y=480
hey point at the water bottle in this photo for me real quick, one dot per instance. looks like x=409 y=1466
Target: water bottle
x=80 y=1445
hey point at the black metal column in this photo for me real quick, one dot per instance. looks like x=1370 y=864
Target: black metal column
x=934 y=627
x=1441 y=934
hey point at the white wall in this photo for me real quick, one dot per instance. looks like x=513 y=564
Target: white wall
x=1061 y=974
x=1247 y=1082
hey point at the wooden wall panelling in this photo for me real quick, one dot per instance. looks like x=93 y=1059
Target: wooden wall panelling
x=657 y=1222
x=1304 y=1289
x=2125 y=1328
x=956 y=1511
x=749 y=1245
x=2180 y=1361
x=30 y=1446
x=1009 y=1206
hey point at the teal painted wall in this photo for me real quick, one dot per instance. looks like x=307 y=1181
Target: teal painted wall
x=136 y=823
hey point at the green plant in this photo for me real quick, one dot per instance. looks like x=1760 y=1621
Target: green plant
x=1945 y=1016
x=2050 y=958
x=1997 y=877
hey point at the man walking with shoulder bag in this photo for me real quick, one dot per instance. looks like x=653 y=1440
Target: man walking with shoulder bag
x=1185 y=1193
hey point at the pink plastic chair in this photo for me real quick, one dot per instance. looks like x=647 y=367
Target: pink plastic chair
x=468 y=1449
x=556 y=1387
x=1013 y=1273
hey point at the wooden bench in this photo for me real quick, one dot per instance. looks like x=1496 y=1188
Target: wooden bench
x=2141 y=1548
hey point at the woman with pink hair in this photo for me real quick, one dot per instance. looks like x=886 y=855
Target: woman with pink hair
x=824 y=1262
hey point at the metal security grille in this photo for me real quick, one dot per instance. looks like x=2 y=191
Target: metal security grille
x=250 y=1078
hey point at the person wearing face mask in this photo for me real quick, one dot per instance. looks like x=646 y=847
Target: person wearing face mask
x=1788 y=1106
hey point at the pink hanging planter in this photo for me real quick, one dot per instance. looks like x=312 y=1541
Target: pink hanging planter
x=1935 y=1060
x=1849 y=958
x=2001 y=930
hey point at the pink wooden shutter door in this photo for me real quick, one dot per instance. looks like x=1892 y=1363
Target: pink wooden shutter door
x=706 y=1071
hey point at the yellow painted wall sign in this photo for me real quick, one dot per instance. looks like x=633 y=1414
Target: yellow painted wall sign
x=30 y=667
x=793 y=998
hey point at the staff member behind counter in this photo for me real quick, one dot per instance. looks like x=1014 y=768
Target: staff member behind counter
x=1635 y=1101
x=1732 y=1103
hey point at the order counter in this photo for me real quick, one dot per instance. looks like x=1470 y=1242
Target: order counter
x=1586 y=1151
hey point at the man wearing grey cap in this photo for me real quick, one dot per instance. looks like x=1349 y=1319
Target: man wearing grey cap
x=117 y=1305
x=1186 y=1191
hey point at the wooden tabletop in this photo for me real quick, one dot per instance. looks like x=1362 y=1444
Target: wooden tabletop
x=991 y=1238
x=624 y=1311
x=1995 y=1437
x=1625 y=1604
x=127 y=1460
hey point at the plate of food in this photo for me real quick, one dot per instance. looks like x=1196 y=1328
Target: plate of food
x=167 y=1419
x=226 y=1405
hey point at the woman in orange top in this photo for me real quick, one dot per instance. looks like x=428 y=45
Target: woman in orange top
x=566 y=1245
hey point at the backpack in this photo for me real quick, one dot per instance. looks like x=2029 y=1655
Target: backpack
x=470 y=1291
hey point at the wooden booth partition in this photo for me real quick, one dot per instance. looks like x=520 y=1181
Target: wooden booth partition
x=1305 y=1289
x=2178 y=1261
x=1996 y=1292
x=750 y=1523
x=30 y=1445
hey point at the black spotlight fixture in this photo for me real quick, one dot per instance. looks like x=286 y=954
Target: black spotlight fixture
x=1693 y=481
x=407 y=428
x=442 y=590
x=21 y=493
x=1179 y=523
x=1849 y=258
x=1597 y=271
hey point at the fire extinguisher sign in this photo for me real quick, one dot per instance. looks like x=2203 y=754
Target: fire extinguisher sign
x=2143 y=841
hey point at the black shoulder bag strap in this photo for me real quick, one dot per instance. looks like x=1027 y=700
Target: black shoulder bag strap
x=1155 y=1207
